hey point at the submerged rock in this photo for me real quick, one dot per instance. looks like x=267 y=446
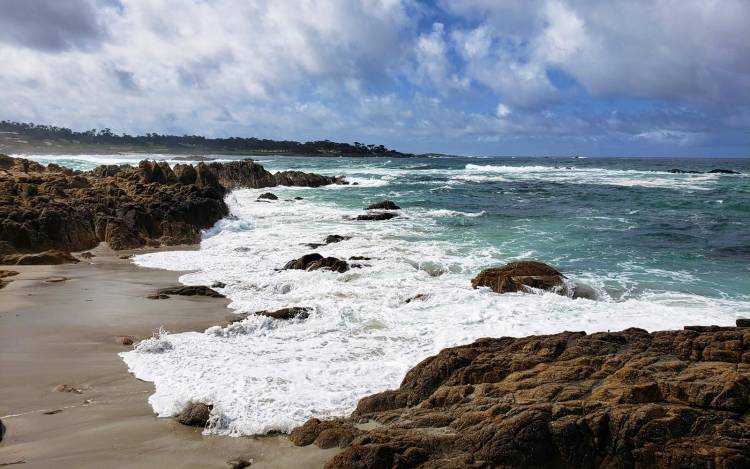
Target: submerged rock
x=519 y=276
x=329 y=240
x=377 y=216
x=190 y=290
x=299 y=312
x=723 y=171
x=195 y=414
x=384 y=205
x=621 y=399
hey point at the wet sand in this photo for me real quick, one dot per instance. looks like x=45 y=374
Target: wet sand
x=65 y=332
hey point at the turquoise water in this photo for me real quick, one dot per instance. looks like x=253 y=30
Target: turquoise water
x=660 y=250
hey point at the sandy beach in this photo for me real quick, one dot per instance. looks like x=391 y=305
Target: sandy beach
x=59 y=325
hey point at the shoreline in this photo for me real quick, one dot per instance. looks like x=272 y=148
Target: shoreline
x=65 y=332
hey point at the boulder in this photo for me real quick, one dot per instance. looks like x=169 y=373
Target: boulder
x=377 y=216
x=195 y=414
x=723 y=171
x=190 y=290
x=315 y=261
x=325 y=434
x=608 y=399
x=743 y=322
x=268 y=196
x=519 y=276
x=384 y=205
x=287 y=313
x=238 y=463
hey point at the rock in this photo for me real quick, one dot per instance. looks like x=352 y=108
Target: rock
x=743 y=322
x=298 y=198
x=2 y=430
x=68 y=388
x=384 y=205
x=86 y=255
x=329 y=240
x=287 y=313
x=298 y=178
x=195 y=414
x=56 y=279
x=239 y=463
x=360 y=258
x=518 y=276
x=126 y=340
x=268 y=196
x=723 y=171
x=620 y=399
x=325 y=434
x=420 y=297
x=125 y=256
x=158 y=296
x=682 y=171
x=54 y=208
x=190 y=290
x=315 y=261
x=377 y=216
x=5 y=274
x=51 y=257
x=52 y=412
x=218 y=285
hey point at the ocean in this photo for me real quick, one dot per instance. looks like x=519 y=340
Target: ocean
x=660 y=250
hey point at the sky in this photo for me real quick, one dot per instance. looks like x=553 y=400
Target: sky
x=470 y=77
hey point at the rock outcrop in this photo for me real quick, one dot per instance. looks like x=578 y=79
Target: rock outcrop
x=4 y=275
x=51 y=257
x=44 y=208
x=519 y=276
x=623 y=399
x=268 y=196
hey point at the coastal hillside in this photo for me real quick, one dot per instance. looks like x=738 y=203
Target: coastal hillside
x=18 y=137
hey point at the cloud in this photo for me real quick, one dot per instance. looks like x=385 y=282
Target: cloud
x=530 y=75
x=52 y=25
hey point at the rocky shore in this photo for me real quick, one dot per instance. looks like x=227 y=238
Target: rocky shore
x=55 y=208
x=607 y=399
x=621 y=399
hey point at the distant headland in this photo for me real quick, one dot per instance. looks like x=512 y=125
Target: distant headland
x=20 y=137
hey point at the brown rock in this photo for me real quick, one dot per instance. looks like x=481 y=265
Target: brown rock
x=315 y=261
x=518 y=276
x=384 y=205
x=150 y=205
x=126 y=340
x=86 y=255
x=195 y=414
x=622 y=399
x=239 y=463
x=68 y=388
x=6 y=274
x=325 y=434
x=51 y=257
x=287 y=313
x=189 y=290
x=2 y=430
x=743 y=322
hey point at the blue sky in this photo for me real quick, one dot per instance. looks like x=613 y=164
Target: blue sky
x=489 y=77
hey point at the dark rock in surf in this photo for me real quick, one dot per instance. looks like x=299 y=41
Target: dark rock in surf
x=268 y=196
x=324 y=433
x=329 y=240
x=190 y=290
x=384 y=205
x=682 y=171
x=195 y=414
x=621 y=399
x=743 y=322
x=418 y=297
x=519 y=276
x=377 y=216
x=723 y=171
x=315 y=261
x=360 y=258
x=297 y=312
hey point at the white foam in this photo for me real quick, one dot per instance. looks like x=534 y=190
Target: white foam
x=361 y=337
x=577 y=175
